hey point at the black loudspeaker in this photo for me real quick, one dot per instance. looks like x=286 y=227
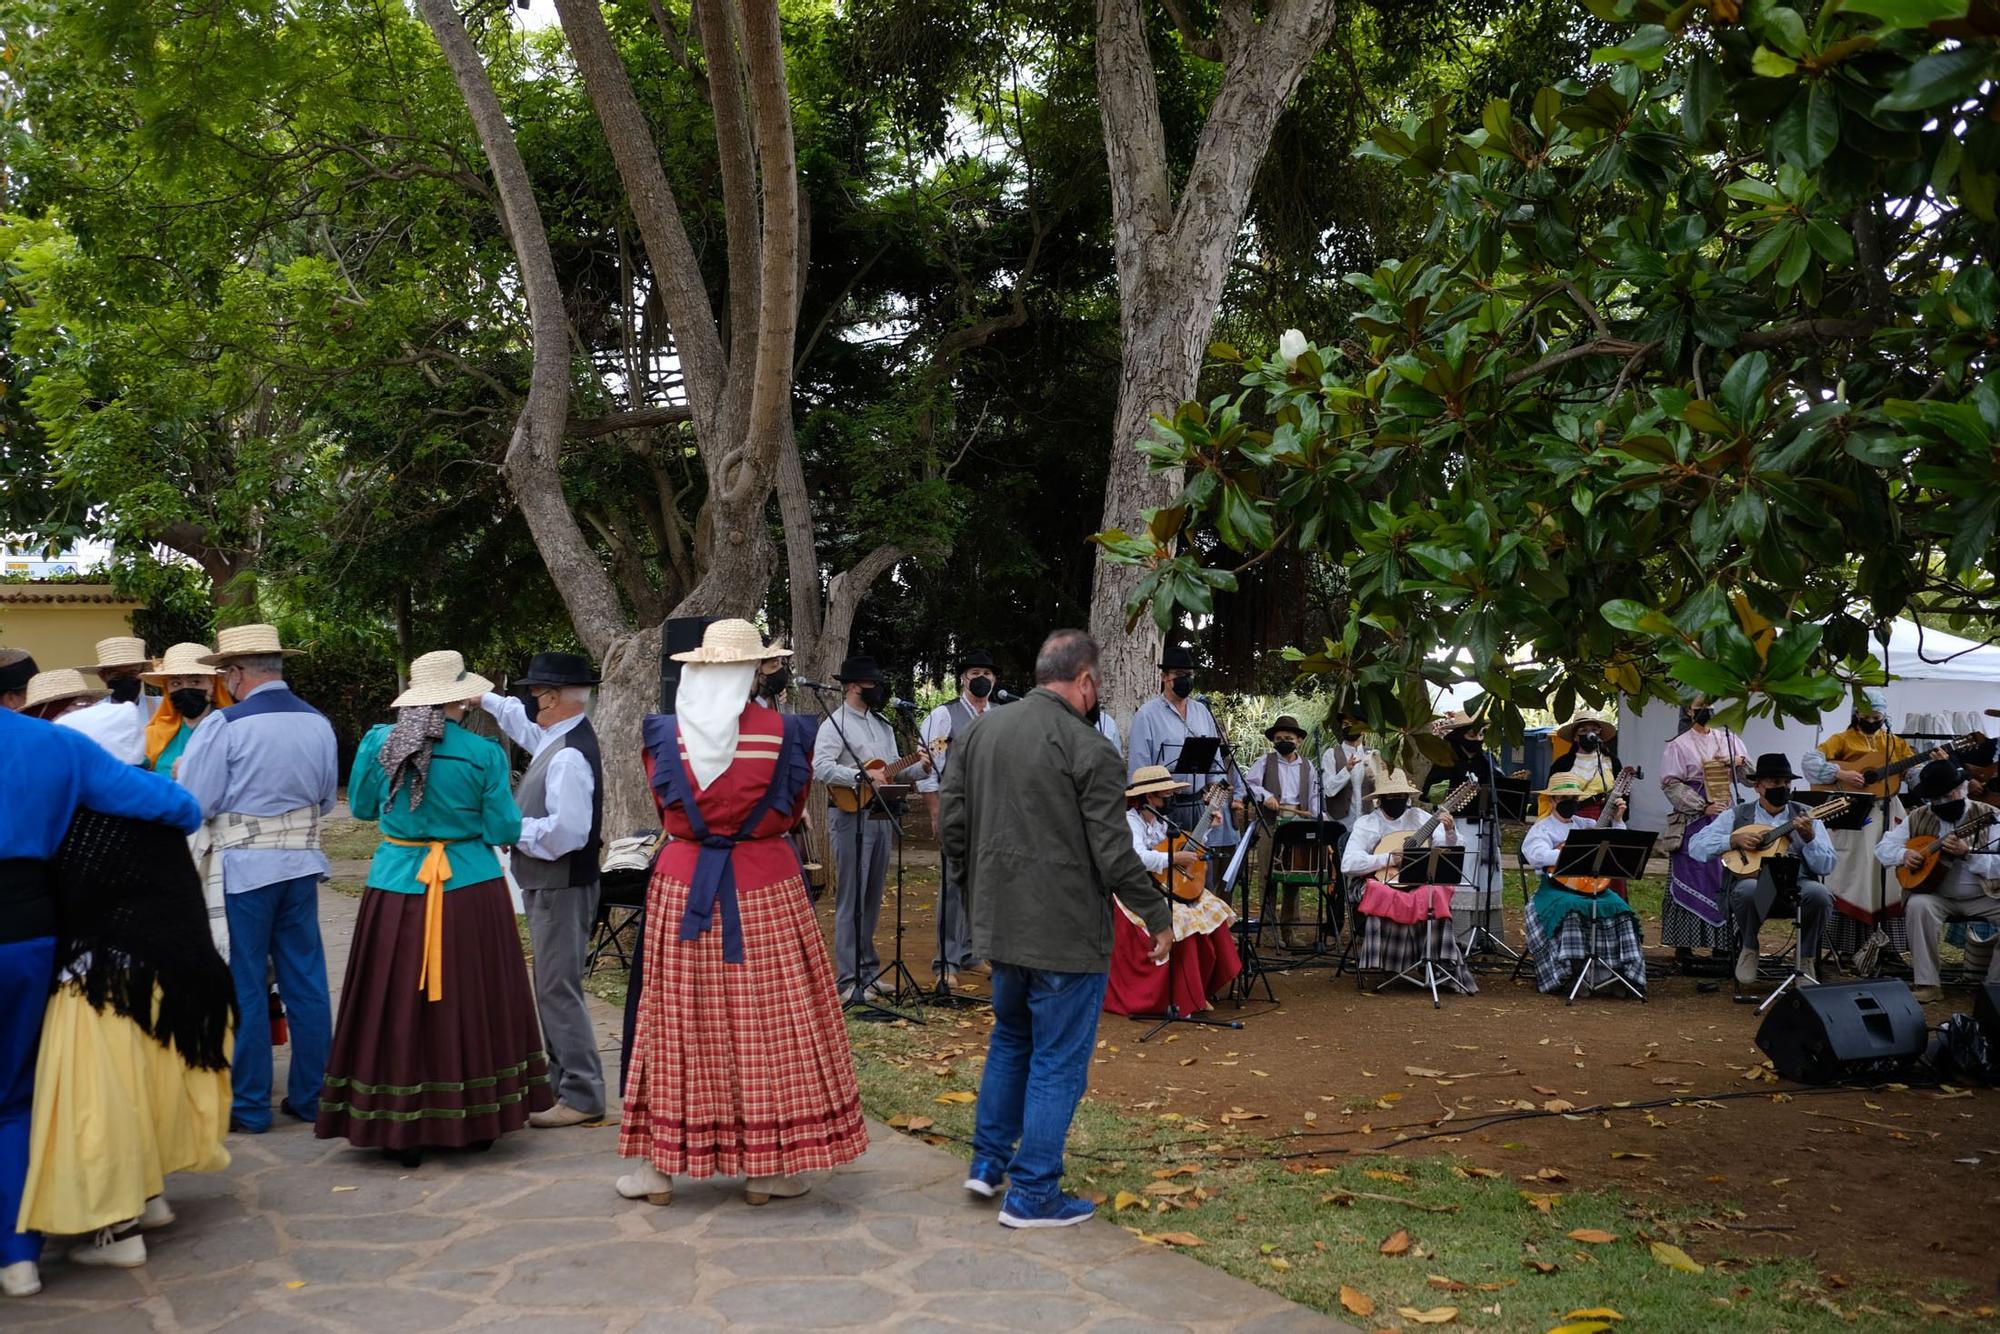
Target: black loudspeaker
x=1853 y=1030
x=682 y=633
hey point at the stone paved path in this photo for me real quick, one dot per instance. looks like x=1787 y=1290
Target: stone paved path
x=302 y=1234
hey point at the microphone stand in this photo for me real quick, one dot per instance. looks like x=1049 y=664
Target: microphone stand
x=1172 y=1014
x=858 y=1003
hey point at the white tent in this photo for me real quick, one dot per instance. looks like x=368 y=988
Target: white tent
x=1938 y=684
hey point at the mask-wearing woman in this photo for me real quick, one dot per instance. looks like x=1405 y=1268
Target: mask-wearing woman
x=60 y=691
x=437 y=1045
x=1870 y=912
x=1592 y=757
x=740 y=1063
x=192 y=690
x=1695 y=915
x=1394 y=919
x=1204 y=960
x=1560 y=912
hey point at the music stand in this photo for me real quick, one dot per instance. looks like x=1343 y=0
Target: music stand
x=1501 y=801
x=1784 y=870
x=1314 y=841
x=1434 y=865
x=1860 y=805
x=1619 y=854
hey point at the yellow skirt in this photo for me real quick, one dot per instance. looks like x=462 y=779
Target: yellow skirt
x=115 y=1112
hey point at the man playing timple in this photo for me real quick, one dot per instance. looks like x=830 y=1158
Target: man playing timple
x=1750 y=901
x=556 y=864
x=265 y=770
x=1969 y=887
x=1033 y=812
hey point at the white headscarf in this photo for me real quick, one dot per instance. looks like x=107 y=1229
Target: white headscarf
x=710 y=704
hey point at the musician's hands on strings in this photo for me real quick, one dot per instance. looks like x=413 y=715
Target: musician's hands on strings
x=1912 y=858
x=1745 y=839
x=1184 y=858
x=1956 y=846
x=1803 y=828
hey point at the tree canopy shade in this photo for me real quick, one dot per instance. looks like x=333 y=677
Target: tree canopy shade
x=1686 y=386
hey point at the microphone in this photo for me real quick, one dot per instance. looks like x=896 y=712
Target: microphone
x=902 y=706
x=1009 y=697
x=812 y=685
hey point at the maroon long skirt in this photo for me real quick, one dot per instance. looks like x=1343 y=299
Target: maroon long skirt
x=406 y=1072
x=1203 y=966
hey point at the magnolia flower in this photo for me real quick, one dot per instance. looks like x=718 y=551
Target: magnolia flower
x=1291 y=347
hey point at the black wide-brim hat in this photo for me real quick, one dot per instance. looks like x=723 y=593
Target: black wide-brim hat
x=16 y=675
x=860 y=668
x=978 y=657
x=1937 y=778
x=1772 y=764
x=1285 y=723
x=1176 y=658
x=558 y=669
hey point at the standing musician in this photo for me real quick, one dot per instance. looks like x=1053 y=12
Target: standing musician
x=1480 y=902
x=1204 y=952
x=1561 y=910
x=1750 y=901
x=1160 y=727
x=1286 y=785
x=1592 y=757
x=1968 y=888
x=1348 y=771
x=863 y=740
x=1695 y=914
x=1392 y=920
x=1864 y=900
x=976 y=681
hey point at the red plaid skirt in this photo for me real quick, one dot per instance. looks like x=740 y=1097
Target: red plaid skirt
x=740 y=1069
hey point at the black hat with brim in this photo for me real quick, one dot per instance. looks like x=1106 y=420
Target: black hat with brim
x=1937 y=778
x=1285 y=723
x=978 y=657
x=558 y=669
x=16 y=675
x=1772 y=764
x=1176 y=658
x=858 y=669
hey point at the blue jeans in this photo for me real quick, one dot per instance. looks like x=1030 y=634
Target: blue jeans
x=277 y=926
x=1037 y=1065
x=26 y=969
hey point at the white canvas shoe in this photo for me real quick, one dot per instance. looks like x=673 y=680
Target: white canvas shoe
x=649 y=1183
x=158 y=1213
x=21 y=1279
x=110 y=1249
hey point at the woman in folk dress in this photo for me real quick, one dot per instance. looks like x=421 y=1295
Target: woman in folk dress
x=740 y=1064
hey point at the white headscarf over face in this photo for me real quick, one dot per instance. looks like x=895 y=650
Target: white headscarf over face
x=710 y=704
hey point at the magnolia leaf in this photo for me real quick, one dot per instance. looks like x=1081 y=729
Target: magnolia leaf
x=959 y=1096
x=1673 y=1257
x=1581 y=1327
x=1124 y=1200
x=1356 y=1302
x=1597 y=1236
x=1397 y=1243
x=1178 y=1238
x=1436 y=1315
x=1595 y=1313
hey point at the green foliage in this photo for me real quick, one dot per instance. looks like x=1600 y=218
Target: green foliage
x=1686 y=386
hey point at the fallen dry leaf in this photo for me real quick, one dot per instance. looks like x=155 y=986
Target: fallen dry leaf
x=1436 y=1315
x=1397 y=1243
x=1167 y=1188
x=342 y=1190
x=1417 y=1071
x=1178 y=1238
x=1673 y=1257
x=1549 y=1174
x=1443 y=1284
x=1558 y=1105
x=1543 y=1203
x=1595 y=1313
x=1627 y=1153
x=295 y=1284
x=1356 y=1302
x=958 y=1096
x=1376 y=1175
x=1594 y=1235
x=1581 y=1327
x=1279 y=1263
x=1541 y=1266
x=1126 y=1200
x=1544 y=1090
x=1184 y=1170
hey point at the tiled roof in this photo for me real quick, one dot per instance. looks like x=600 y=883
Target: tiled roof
x=69 y=595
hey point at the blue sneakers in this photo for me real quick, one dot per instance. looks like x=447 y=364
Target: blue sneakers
x=985 y=1177
x=1059 y=1211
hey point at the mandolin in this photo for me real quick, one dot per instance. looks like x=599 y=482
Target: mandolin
x=1184 y=884
x=1773 y=840
x=1415 y=840
x=1929 y=873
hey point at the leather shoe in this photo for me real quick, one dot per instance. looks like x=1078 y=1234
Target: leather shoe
x=562 y=1114
x=238 y=1126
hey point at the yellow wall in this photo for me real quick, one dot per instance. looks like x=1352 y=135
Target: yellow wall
x=63 y=636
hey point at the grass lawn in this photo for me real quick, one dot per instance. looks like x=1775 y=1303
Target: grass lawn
x=1389 y=1242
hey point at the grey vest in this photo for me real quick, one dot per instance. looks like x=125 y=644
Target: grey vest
x=1308 y=779
x=575 y=868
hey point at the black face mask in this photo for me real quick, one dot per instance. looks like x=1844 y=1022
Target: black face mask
x=875 y=696
x=125 y=689
x=533 y=704
x=1183 y=686
x=1588 y=743
x=1468 y=745
x=1350 y=737
x=1778 y=796
x=1393 y=807
x=980 y=687
x=1092 y=714
x=1868 y=727
x=189 y=702
x=1702 y=716
x=1566 y=807
x=774 y=683
x=1949 y=811
x=1286 y=747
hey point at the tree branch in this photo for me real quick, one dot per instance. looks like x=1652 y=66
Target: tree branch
x=632 y=419
x=1199 y=45
x=1801 y=330
x=1597 y=347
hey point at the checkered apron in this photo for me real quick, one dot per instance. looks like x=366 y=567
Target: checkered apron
x=1618 y=944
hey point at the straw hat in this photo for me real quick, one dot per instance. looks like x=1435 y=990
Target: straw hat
x=1564 y=784
x=59 y=684
x=246 y=641
x=1154 y=778
x=122 y=651
x=1397 y=784
x=1456 y=721
x=733 y=640
x=1605 y=727
x=440 y=678
x=181 y=660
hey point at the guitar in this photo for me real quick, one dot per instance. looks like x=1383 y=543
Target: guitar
x=1773 y=840
x=862 y=795
x=1927 y=874
x=1876 y=775
x=1184 y=884
x=1416 y=840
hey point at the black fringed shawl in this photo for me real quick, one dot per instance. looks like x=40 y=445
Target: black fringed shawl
x=130 y=917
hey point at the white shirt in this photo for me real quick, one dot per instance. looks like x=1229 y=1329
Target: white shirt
x=1360 y=857
x=937 y=724
x=1147 y=832
x=1343 y=770
x=1545 y=840
x=568 y=785
x=119 y=728
x=1291 y=789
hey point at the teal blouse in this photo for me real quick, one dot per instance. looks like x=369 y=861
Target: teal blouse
x=467 y=804
x=164 y=766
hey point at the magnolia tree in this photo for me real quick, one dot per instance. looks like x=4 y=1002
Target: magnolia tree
x=1686 y=388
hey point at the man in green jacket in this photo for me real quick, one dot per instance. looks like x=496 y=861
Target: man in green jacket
x=1033 y=809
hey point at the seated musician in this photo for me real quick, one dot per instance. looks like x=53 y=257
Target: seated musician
x=1563 y=911
x=1393 y=921
x=1592 y=757
x=1967 y=888
x=1286 y=785
x=1204 y=959
x=1862 y=905
x=1751 y=901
